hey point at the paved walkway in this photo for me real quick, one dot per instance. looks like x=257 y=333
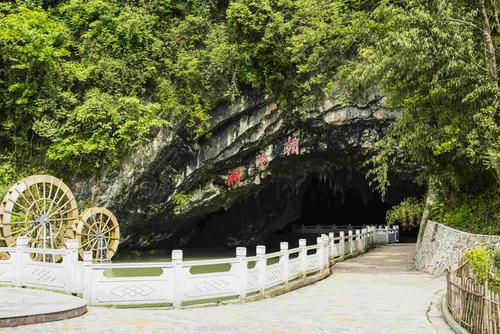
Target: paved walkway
x=26 y=306
x=375 y=293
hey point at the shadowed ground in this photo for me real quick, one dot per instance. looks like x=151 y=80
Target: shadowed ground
x=378 y=292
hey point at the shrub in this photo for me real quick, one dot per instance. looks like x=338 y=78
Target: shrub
x=471 y=213
x=481 y=260
x=407 y=213
x=486 y=265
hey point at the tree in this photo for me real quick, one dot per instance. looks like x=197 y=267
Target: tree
x=435 y=61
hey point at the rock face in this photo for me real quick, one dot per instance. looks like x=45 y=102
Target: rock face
x=245 y=181
x=442 y=246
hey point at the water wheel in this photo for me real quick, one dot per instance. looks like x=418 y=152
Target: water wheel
x=40 y=207
x=98 y=232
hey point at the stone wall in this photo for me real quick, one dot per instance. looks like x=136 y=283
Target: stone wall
x=442 y=246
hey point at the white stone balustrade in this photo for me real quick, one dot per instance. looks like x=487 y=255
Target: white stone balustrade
x=176 y=284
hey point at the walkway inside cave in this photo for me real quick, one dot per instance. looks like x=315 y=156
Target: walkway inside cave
x=377 y=292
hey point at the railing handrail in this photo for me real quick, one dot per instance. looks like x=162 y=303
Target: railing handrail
x=175 y=283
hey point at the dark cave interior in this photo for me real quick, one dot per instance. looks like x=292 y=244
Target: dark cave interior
x=268 y=216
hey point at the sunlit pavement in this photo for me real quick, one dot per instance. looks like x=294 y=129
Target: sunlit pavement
x=378 y=292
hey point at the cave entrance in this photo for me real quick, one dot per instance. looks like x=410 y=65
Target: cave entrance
x=343 y=201
x=325 y=203
x=267 y=217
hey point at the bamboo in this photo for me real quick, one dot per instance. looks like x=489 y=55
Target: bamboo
x=472 y=304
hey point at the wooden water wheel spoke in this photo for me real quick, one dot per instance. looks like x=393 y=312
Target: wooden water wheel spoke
x=62 y=219
x=64 y=195
x=15 y=214
x=63 y=206
x=87 y=243
x=34 y=212
x=55 y=194
x=86 y=234
x=99 y=233
x=35 y=196
x=28 y=228
x=19 y=214
x=22 y=222
x=110 y=229
x=27 y=210
x=24 y=197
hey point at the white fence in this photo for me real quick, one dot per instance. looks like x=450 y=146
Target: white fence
x=178 y=281
x=391 y=234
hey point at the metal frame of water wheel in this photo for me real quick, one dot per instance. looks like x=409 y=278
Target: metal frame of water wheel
x=98 y=231
x=35 y=204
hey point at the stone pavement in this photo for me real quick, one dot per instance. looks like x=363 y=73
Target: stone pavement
x=27 y=306
x=377 y=292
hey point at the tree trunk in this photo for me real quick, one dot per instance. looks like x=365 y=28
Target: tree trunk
x=429 y=201
x=495 y=15
x=490 y=48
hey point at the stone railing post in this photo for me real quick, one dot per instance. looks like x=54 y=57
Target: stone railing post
x=372 y=239
x=387 y=234
x=325 y=248
x=368 y=236
x=20 y=259
x=241 y=255
x=285 y=259
x=303 y=257
x=320 y=253
x=342 y=245
x=261 y=267
x=326 y=251
x=351 y=242
x=396 y=232
x=87 y=277
x=178 y=285
x=331 y=246
x=72 y=266
x=364 y=233
x=358 y=241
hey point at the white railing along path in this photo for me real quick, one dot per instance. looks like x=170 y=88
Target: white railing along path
x=179 y=281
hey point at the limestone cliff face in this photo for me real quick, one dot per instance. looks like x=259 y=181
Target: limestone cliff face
x=171 y=191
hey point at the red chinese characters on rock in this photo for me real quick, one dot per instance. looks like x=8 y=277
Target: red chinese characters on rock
x=291 y=146
x=234 y=176
x=261 y=160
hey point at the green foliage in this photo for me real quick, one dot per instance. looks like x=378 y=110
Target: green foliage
x=82 y=82
x=496 y=260
x=180 y=198
x=407 y=213
x=480 y=259
x=486 y=265
x=428 y=59
x=292 y=48
x=476 y=213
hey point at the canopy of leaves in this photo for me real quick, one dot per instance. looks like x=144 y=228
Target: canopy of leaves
x=428 y=58
x=82 y=82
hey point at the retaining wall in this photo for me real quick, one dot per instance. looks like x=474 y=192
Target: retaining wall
x=442 y=246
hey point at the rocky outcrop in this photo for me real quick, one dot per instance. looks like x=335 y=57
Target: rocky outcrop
x=443 y=246
x=172 y=191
